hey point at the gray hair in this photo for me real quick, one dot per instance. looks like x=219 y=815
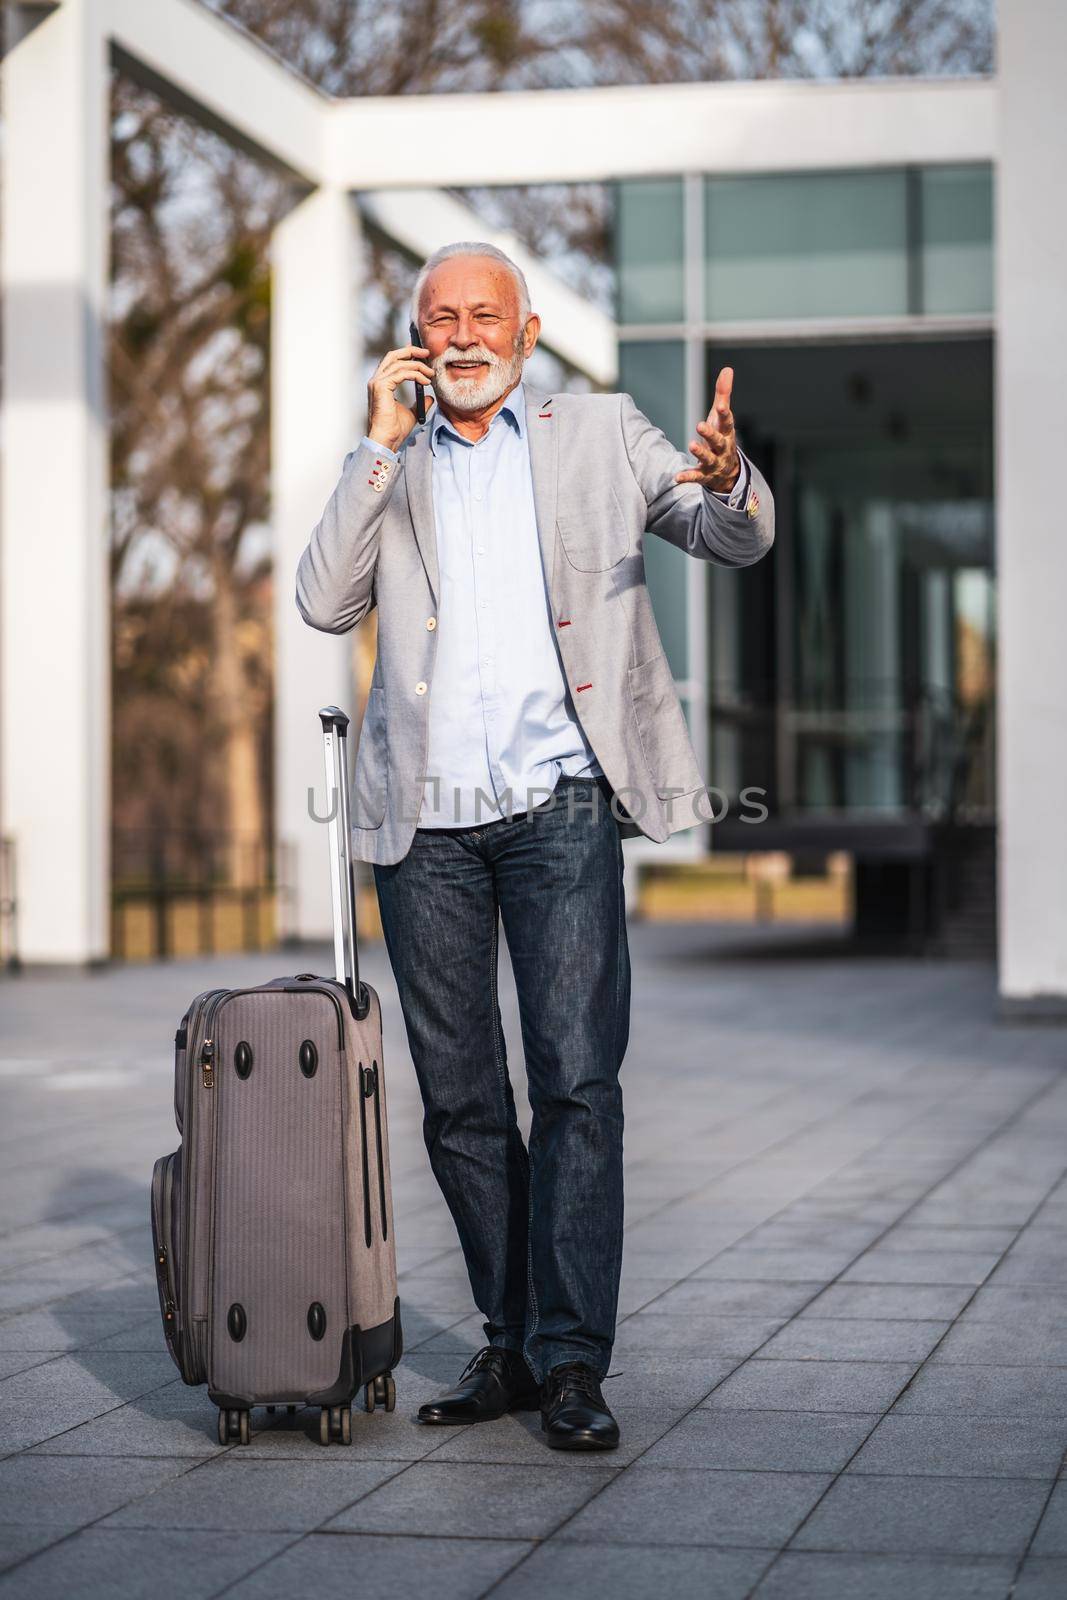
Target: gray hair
x=471 y=247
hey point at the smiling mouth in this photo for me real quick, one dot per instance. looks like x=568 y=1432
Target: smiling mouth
x=466 y=366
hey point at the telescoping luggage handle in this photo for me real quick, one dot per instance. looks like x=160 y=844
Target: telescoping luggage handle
x=342 y=868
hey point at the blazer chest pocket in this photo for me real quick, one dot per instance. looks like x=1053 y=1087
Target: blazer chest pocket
x=593 y=530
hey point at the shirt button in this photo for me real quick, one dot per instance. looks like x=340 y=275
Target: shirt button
x=420 y=688
x=431 y=623
x=481 y=549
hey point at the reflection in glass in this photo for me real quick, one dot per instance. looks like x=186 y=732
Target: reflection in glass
x=805 y=244
x=649 y=250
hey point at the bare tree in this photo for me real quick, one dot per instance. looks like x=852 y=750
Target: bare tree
x=189 y=355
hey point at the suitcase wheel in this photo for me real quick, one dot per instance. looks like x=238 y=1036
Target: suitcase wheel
x=335 y=1422
x=235 y=1427
x=380 y=1392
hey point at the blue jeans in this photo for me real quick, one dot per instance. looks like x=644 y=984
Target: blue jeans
x=541 y=1229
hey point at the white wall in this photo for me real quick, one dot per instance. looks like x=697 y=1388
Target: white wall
x=54 y=583
x=1031 y=427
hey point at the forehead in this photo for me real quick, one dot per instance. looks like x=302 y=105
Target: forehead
x=469 y=281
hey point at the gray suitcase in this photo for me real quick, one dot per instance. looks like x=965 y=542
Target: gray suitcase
x=272 y=1223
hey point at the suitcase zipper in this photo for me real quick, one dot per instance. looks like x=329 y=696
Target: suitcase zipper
x=368 y=1085
x=365 y=1088
x=378 y=1144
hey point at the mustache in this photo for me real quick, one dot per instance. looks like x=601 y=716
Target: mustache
x=451 y=354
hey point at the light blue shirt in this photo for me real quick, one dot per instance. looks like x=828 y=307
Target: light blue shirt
x=502 y=723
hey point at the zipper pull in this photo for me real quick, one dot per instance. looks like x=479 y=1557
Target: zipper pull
x=207 y=1063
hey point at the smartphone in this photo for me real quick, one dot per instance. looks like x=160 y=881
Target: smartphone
x=420 y=392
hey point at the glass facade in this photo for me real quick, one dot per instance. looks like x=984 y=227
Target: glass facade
x=650 y=250
x=956 y=238
x=813 y=244
x=853 y=671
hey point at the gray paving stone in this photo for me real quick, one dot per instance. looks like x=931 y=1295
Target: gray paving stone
x=664 y=1382
x=1002 y=1344
x=519 y=1438
x=608 y=1572
x=340 y=1566
x=921 y=1266
x=909 y=1237
x=1042 y=1578
x=14 y=1361
x=678 y=1506
x=908 y=1302
x=58 y=1492
x=984 y=1447
x=762 y=1441
x=812 y=1386
x=987 y=1391
x=173 y=1421
x=724 y=1297
x=789 y=1266
x=475 y=1501
x=925 y=1516
x=129 y=1565
x=1021 y=1304
x=1051 y=1539
x=49 y=1399
x=816 y=1576
x=695 y=1334
x=230 y=1493
x=854 y=1339
x=380 y=1436
x=16 y=1544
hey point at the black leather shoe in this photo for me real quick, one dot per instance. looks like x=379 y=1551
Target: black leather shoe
x=495 y=1381
x=573 y=1412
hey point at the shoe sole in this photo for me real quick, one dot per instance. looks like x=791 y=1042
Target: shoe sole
x=579 y=1441
x=492 y=1416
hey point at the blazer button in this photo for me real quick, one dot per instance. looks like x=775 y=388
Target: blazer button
x=420 y=688
x=431 y=623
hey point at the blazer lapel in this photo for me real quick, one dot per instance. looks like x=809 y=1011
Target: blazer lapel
x=544 y=454
x=418 y=462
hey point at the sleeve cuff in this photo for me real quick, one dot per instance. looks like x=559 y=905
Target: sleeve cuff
x=380 y=449
x=735 y=497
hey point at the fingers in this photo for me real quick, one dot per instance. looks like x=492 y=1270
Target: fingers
x=394 y=372
x=721 y=415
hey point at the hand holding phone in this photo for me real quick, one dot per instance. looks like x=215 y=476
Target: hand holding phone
x=420 y=392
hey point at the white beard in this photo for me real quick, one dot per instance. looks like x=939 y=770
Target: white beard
x=474 y=394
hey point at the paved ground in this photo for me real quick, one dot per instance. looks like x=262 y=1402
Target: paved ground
x=842 y=1365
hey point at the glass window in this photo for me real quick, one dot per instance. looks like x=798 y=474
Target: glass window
x=956 y=210
x=649 y=250
x=805 y=244
x=653 y=372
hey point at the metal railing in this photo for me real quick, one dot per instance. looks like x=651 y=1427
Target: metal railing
x=197 y=892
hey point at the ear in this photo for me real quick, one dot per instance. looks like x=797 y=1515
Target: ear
x=530 y=333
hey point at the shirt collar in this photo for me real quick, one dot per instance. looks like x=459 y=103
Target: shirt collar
x=514 y=409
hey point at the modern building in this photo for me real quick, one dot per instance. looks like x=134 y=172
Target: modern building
x=848 y=682
x=882 y=262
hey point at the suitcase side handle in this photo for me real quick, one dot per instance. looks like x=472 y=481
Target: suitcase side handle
x=342 y=867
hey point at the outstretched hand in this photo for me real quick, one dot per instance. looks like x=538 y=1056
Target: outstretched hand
x=716 y=449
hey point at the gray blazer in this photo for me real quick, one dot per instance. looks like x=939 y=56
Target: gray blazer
x=603 y=477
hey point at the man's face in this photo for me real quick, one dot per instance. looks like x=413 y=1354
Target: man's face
x=469 y=322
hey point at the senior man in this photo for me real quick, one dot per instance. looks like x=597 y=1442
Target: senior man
x=522 y=720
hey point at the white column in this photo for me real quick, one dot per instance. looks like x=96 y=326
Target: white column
x=317 y=410
x=1031 y=424
x=54 y=583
